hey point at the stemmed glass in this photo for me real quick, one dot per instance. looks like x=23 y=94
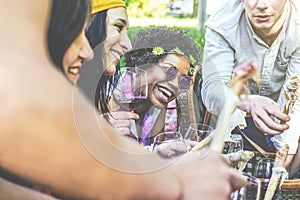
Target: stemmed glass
x=235 y=144
x=263 y=168
x=130 y=90
x=250 y=191
x=197 y=131
x=169 y=144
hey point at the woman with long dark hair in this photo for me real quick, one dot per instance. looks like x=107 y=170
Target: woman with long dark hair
x=67 y=43
x=107 y=34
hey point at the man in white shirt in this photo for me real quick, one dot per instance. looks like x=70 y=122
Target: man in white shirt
x=268 y=32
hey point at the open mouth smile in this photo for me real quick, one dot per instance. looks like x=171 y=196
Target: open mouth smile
x=74 y=71
x=116 y=55
x=165 y=94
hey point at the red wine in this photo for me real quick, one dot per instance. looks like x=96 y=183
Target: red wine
x=131 y=105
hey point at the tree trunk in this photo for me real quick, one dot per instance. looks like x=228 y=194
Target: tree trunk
x=201 y=14
x=195 y=8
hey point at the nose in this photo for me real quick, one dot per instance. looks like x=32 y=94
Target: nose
x=175 y=85
x=86 y=51
x=125 y=42
x=261 y=4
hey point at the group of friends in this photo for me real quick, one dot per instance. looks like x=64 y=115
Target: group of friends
x=57 y=97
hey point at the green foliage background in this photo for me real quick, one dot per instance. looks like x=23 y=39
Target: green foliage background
x=148 y=9
x=144 y=8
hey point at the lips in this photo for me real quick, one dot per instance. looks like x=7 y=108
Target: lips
x=74 y=71
x=262 y=18
x=116 y=55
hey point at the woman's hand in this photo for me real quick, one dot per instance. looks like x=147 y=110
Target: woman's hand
x=261 y=109
x=121 y=120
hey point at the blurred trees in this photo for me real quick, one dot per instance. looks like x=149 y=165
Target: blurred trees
x=145 y=8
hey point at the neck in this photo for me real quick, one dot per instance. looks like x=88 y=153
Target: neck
x=268 y=38
x=25 y=32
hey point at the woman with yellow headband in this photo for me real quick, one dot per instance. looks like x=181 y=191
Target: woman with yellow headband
x=108 y=37
x=109 y=25
x=107 y=34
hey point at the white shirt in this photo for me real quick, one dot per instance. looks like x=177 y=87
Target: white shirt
x=230 y=41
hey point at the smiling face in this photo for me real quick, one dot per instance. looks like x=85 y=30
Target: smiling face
x=117 y=42
x=266 y=15
x=77 y=52
x=160 y=90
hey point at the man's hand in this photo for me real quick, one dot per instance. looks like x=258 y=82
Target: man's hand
x=261 y=109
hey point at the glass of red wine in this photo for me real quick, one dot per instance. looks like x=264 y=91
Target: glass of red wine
x=131 y=90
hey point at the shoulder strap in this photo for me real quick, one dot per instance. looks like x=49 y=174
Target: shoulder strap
x=256 y=146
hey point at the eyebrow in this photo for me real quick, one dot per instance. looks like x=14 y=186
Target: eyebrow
x=123 y=21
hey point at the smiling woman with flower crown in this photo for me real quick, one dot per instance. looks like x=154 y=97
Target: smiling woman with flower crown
x=169 y=62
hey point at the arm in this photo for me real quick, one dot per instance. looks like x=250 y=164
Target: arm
x=48 y=150
x=40 y=143
x=218 y=64
x=13 y=191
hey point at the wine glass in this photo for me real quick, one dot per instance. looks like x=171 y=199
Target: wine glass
x=131 y=88
x=234 y=144
x=263 y=168
x=197 y=131
x=250 y=191
x=169 y=144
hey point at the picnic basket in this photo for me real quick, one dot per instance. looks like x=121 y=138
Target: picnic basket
x=290 y=189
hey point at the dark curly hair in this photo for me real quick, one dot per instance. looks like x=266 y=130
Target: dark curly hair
x=168 y=39
x=141 y=56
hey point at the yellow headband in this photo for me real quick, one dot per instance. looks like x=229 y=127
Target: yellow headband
x=100 y=5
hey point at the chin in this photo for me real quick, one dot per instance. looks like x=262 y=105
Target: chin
x=111 y=70
x=72 y=80
x=155 y=102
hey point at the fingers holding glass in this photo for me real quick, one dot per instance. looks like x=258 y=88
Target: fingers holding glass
x=169 y=144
